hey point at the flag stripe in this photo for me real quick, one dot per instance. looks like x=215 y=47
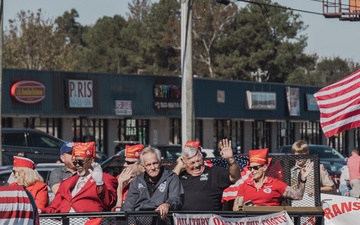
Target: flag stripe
x=339 y=105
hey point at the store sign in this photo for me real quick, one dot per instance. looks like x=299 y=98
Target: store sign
x=167 y=96
x=293 y=101
x=311 y=103
x=220 y=96
x=123 y=108
x=80 y=93
x=28 y=92
x=261 y=100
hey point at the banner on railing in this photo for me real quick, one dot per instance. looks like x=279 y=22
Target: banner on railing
x=340 y=209
x=280 y=218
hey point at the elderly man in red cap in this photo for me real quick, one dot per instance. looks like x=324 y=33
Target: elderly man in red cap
x=90 y=190
x=132 y=167
x=203 y=185
x=262 y=190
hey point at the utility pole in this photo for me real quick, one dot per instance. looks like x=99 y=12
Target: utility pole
x=1 y=70
x=187 y=102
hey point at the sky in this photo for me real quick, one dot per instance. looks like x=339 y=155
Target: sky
x=326 y=37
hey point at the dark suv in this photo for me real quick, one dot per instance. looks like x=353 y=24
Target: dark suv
x=37 y=145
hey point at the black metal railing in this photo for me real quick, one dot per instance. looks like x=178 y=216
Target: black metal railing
x=315 y=214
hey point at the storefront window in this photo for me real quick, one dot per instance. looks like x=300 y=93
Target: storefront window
x=48 y=125
x=310 y=132
x=6 y=122
x=338 y=142
x=175 y=131
x=261 y=134
x=199 y=131
x=85 y=130
x=230 y=129
x=356 y=137
x=285 y=133
x=133 y=130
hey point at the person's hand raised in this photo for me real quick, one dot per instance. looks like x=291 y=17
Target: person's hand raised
x=225 y=149
x=125 y=176
x=97 y=174
x=304 y=172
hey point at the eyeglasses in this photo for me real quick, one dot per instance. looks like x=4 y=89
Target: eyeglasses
x=254 y=167
x=80 y=162
x=130 y=162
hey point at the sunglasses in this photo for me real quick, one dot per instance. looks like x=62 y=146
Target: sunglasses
x=80 y=162
x=254 y=167
x=130 y=162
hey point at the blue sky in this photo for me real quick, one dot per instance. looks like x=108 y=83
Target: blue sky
x=326 y=37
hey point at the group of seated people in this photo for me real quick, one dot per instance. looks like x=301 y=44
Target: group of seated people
x=145 y=185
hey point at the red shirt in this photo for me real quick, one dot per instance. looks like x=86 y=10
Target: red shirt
x=268 y=195
x=354 y=167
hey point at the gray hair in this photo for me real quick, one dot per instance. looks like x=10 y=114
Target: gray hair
x=190 y=151
x=150 y=149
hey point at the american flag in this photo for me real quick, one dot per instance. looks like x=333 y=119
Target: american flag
x=16 y=206
x=339 y=105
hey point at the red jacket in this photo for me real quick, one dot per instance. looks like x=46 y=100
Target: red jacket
x=39 y=191
x=87 y=199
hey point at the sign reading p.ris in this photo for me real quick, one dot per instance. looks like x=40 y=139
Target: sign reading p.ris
x=80 y=93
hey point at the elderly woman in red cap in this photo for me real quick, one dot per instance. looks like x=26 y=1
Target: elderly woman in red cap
x=262 y=190
x=25 y=175
x=132 y=167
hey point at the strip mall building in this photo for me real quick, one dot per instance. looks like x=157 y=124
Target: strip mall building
x=147 y=109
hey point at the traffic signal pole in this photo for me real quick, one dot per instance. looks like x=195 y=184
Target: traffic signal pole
x=187 y=103
x=1 y=71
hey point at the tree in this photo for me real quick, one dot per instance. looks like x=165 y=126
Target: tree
x=67 y=25
x=102 y=48
x=211 y=25
x=160 y=40
x=264 y=36
x=139 y=9
x=330 y=70
x=26 y=48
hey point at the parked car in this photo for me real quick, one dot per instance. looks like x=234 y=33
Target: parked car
x=37 y=145
x=328 y=156
x=324 y=152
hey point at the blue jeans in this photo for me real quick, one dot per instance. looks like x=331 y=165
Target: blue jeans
x=343 y=188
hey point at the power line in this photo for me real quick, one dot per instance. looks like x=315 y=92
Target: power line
x=283 y=7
